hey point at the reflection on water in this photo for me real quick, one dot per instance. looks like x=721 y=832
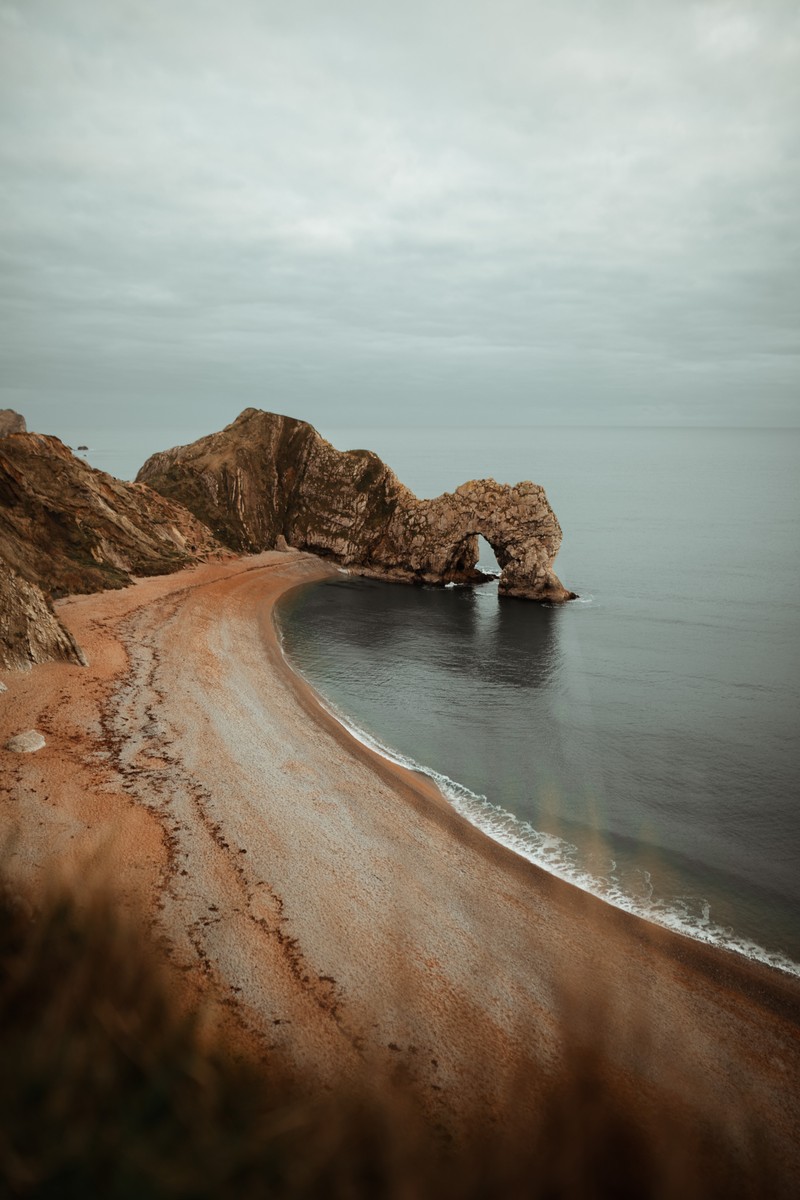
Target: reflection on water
x=493 y=693
x=505 y=642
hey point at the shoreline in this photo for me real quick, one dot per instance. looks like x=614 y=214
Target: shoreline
x=772 y=960
x=350 y=917
x=423 y=779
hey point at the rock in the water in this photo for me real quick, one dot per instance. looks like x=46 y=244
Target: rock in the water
x=26 y=743
x=266 y=477
x=11 y=422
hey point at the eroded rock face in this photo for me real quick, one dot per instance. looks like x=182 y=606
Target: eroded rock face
x=69 y=528
x=437 y=540
x=64 y=528
x=30 y=632
x=11 y=422
x=266 y=477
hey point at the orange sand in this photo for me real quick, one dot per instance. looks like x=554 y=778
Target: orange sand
x=343 y=910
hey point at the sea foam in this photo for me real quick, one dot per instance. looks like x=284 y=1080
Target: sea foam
x=687 y=915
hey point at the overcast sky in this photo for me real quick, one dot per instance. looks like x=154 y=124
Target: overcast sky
x=473 y=211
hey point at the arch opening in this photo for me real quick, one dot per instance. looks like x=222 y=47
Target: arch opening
x=474 y=558
x=487 y=559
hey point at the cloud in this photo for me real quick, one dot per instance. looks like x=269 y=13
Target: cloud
x=378 y=209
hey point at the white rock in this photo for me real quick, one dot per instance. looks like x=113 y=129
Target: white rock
x=26 y=743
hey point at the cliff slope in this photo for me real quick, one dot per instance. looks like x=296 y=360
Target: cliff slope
x=30 y=632
x=266 y=477
x=66 y=527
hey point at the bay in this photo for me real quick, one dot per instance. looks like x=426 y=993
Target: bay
x=641 y=741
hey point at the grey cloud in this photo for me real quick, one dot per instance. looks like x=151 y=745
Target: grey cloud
x=383 y=212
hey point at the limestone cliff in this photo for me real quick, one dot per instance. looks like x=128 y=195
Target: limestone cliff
x=30 y=632
x=65 y=527
x=266 y=477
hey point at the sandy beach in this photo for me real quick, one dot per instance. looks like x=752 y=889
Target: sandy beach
x=349 y=918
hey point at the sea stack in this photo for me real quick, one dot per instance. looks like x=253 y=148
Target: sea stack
x=266 y=477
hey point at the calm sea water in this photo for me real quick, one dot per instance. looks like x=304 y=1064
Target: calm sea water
x=642 y=741
x=121 y=452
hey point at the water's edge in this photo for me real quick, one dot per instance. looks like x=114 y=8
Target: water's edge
x=547 y=851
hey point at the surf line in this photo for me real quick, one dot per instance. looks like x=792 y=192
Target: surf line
x=547 y=851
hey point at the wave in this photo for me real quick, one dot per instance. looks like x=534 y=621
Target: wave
x=687 y=915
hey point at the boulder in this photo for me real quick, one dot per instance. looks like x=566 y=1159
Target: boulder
x=26 y=743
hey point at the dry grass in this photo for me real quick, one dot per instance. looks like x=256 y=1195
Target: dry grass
x=112 y=1086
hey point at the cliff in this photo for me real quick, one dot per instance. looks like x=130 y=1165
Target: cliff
x=64 y=528
x=267 y=477
x=30 y=632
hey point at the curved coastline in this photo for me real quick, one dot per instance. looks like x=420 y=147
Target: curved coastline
x=754 y=976
x=350 y=916
x=494 y=822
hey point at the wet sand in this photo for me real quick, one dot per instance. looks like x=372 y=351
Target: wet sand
x=347 y=916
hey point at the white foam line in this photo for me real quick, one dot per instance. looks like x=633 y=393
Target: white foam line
x=554 y=854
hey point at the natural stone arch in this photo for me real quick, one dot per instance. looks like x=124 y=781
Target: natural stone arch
x=436 y=540
x=267 y=477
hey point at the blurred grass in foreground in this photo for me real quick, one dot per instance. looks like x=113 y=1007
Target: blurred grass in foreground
x=113 y=1086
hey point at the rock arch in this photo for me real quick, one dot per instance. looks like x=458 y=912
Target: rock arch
x=437 y=540
x=267 y=477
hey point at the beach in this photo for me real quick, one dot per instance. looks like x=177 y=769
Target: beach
x=348 y=917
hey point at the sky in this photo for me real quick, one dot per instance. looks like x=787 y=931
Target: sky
x=377 y=213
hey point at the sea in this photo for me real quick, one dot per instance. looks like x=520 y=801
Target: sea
x=640 y=741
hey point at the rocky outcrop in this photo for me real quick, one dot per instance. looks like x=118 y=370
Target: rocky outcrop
x=437 y=540
x=30 y=632
x=264 y=481
x=64 y=528
x=266 y=477
x=70 y=528
x=11 y=422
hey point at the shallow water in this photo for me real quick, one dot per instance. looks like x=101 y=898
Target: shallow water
x=642 y=740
